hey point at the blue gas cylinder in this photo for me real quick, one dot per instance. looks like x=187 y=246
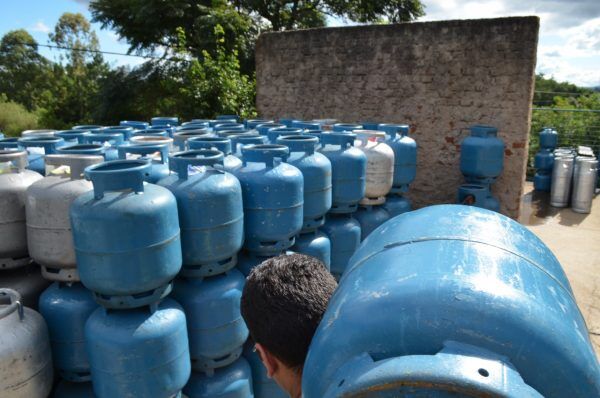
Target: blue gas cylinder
x=203 y=122
x=82 y=149
x=305 y=125
x=157 y=154
x=343 y=232
x=164 y=121
x=277 y=132
x=67 y=389
x=232 y=381
x=349 y=127
x=211 y=217
x=222 y=144
x=273 y=198
x=228 y=127
x=478 y=195
x=215 y=325
x=66 y=307
x=110 y=141
x=248 y=260
x=229 y=133
x=542 y=181
x=482 y=155
x=315 y=244
x=228 y=117
x=316 y=170
x=155 y=131
x=405 y=154
x=396 y=204
x=37 y=147
x=370 y=217
x=140 y=352
x=252 y=123
x=180 y=137
x=193 y=126
x=473 y=301
x=262 y=384
x=126 y=235
x=9 y=143
x=544 y=160
x=137 y=125
x=548 y=138
x=88 y=127
x=239 y=140
x=214 y=122
x=72 y=137
x=369 y=125
x=264 y=127
x=348 y=171
x=126 y=131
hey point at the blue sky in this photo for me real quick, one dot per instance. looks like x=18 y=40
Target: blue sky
x=569 y=45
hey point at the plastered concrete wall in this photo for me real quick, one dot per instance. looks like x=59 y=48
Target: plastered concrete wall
x=440 y=77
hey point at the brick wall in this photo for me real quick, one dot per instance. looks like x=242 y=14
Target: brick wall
x=440 y=77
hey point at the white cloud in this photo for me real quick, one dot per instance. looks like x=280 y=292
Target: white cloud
x=564 y=70
x=585 y=37
x=41 y=27
x=569 y=31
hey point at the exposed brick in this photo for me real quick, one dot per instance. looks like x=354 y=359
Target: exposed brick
x=440 y=77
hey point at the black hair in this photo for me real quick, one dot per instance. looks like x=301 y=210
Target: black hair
x=283 y=302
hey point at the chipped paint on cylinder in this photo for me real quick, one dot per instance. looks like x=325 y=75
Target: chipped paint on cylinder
x=482 y=155
x=140 y=352
x=25 y=358
x=66 y=308
x=405 y=154
x=273 y=196
x=315 y=244
x=49 y=235
x=232 y=381
x=476 y=302
x=369 y=218
x=14 y=181
x=348 y=171
x=126 y=235
x=211 y=217
x=316 y=170
x=157 y=154
x=215 y=325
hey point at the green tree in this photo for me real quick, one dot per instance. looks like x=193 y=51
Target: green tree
x=14 y=118
x=150 y=25
x=76 y=79
x=23 y=72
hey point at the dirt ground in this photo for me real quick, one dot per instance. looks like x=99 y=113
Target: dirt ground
x=575 y=240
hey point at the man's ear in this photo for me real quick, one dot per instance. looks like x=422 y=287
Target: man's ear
x=271 y=363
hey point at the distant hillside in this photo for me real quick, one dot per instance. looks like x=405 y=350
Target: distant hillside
x=548 y=88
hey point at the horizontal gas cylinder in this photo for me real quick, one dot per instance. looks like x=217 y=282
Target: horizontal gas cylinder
x=459 y=300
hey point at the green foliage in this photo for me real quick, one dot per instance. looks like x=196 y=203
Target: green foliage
x=23 y=72
x=15 y=118
x=569 y=109
x=241 y=20
x=152 y=25
x=214 y=85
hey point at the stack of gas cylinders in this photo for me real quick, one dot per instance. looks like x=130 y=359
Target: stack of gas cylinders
x=544 y=160
x=574 y=178
x=144 y=233
x=481 y=162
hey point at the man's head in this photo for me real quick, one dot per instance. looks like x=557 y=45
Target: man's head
x=283 y=302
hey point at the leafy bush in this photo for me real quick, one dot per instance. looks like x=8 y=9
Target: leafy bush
x=14 y=118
